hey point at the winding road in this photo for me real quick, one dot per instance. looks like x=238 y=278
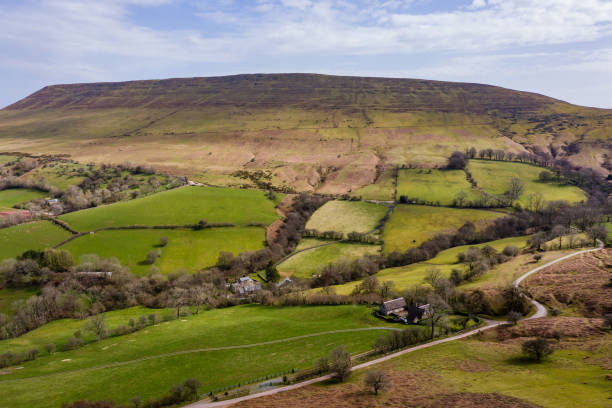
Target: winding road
x=489 y=324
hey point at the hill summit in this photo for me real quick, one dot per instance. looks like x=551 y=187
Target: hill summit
x=304 y=131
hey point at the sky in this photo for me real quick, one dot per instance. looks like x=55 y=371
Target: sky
x=560 y=48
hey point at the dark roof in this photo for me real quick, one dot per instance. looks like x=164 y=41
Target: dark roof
x=394 y=304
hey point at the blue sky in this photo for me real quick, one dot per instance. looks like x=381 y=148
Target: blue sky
x=561 y=48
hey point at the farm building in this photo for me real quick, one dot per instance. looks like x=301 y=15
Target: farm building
x=407 y=314
x=246 y=285
x=415 y=313
x=393 y=306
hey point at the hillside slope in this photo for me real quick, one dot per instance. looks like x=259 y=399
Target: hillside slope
x=310 y=132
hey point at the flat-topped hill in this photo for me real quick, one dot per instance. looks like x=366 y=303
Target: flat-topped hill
x=308 y=91
x=309 y=132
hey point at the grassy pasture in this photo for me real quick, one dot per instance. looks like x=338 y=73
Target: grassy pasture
x=8 y=296
x=410 y=225
x=382 y=190
x=33 y=235
x=440 y=186
x=304 y=264
x=347 y=216
x=186 y=249
x=215 y=328
x=185 y=205
x=494 y=177
x=449 y=256
x=14 y=196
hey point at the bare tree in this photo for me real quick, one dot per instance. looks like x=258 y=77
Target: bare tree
x=517 y=186
x=377 y=379
x=199 y=296
x=179 y=297
x=597 y=232
x=558 y=231
x=438 y=309
x=340 y=363
x=97 y=325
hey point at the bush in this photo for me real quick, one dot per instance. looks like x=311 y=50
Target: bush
x=510 y=250
x=31 y=354
x=50 y=348
x=514 y=317
x=537 y=349
x=73 y=343
x=163 y=241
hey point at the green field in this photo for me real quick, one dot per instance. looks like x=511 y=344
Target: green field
x=449 y=256
x=347 y=216
x=436 y=186
x=410 y=225
x=241 y=325
x=404 y=277
x=382 y=190
x=185 y=205
x=494 y=177
x=8 y=296
x=304 y=264
x=186 y=249
x=33 y=235
x=14 y=196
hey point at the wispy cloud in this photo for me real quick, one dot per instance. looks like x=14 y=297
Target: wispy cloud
x=86 y=40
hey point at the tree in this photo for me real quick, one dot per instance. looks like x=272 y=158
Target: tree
x=272 y=274
x=457 y=161
x=460 y=198
x=558 y=231
x=58 y=260
x=50 y=348
x=191 y=386
x=152 y=257
x=536 y=202
x=597 y=232
x=438 y=309
x=97 y=326
x=513 y=317
x=322 y=365
x=179 y=297
x=377 y=379
x=517 y=186
x=537 y=348
x=163 y=241
x=199 y=296
x=340 y=364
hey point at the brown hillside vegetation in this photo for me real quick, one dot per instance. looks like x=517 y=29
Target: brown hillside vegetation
x=579 y=283
x=311 y=132
x=410 y=389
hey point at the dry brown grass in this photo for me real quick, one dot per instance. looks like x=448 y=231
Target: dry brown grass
x=579 y=283
x=409 y=389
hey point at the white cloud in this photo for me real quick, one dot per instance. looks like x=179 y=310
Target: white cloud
x=87 y=39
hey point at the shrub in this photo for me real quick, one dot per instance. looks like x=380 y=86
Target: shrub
x=31 y=354
x=510 y=250
x=163 y=241
x=50 y=348
x=537 y=349
x=73 y=343
x=513 y=317
x=321 y=365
